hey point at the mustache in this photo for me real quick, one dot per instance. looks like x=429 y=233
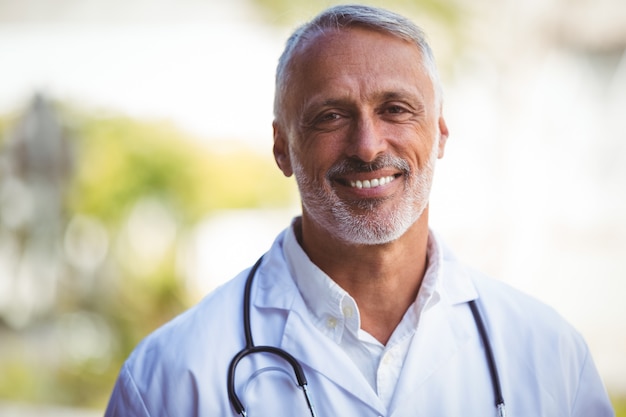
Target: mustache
x=356 y=165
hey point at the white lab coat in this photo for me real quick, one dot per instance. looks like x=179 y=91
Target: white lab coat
x=181 y=369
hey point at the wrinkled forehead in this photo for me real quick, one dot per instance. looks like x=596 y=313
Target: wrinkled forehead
x=318 y=39
x=356 y=54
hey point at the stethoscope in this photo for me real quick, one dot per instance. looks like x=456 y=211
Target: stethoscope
x=250 y=349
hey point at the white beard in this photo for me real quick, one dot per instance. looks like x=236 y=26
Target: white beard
x=367 y=223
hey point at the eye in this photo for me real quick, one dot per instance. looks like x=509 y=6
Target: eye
x=395 y=109
x=329 y=117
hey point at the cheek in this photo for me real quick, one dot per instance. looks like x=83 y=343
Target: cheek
x=317 y=158
x=305 y=167
x=414 y=146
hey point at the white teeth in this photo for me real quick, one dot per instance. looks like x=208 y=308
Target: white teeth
x=372 y=183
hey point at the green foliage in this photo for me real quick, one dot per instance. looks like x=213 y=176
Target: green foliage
x=289 y=12
x=17 y=380
x=5 y=122
x=122 y=159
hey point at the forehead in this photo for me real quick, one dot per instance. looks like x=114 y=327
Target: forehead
x=356 y=61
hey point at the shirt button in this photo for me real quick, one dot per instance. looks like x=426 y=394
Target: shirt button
x=331 y=322
x=348 y=311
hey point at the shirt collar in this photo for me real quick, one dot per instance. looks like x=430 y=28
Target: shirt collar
x=334 y=311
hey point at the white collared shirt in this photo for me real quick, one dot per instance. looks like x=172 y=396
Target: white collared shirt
x=336 y=314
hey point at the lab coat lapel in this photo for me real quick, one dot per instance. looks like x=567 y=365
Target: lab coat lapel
x=437 y=340
x=277 y=291
x=442 y=332
x=318 y=352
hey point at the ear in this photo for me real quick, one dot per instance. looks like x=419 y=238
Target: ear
x=443 y=136
x=281 y=150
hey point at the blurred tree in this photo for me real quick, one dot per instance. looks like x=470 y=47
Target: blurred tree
x=137 y=191
x=288 y=12
x=122 y=159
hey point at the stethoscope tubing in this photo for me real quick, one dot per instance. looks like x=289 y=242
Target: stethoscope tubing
x=491 y=362
x=251 y=349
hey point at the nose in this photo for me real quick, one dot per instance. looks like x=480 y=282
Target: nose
x=366 y=140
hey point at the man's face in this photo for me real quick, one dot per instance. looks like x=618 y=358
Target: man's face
x=361 y=131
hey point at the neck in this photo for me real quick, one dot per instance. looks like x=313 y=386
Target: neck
x=383 y=279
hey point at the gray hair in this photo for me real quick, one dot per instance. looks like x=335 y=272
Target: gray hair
x=346 y=16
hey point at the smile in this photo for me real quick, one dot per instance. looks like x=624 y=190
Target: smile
x=377 y=182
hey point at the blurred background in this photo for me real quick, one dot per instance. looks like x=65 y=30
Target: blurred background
x=136 y=171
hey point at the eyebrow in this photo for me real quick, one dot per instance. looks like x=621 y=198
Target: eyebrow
x=313 y=106
x=402 y=94
x=310 y=110
x=383 y=96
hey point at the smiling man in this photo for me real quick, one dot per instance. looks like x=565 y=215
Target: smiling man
x=358 y=305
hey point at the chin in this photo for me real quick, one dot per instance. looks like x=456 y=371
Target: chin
x=365 y=230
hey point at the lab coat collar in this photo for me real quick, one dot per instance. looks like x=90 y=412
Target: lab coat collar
x=455 y=280
x=275 y=289
x=441 y=332
x=439 y=336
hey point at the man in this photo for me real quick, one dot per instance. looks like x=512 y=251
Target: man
x=358 y=292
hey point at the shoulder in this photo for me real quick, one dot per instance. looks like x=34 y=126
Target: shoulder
x=217 y=317
x=207 y=335
x=510 y=310
x=534 y=341
x=511 y=307
x=192 y=335
x=512 y=315
x=495 y=298
x=534 y=345
x=170 y=368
